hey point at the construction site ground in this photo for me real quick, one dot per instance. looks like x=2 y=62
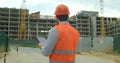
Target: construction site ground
x=33 y=55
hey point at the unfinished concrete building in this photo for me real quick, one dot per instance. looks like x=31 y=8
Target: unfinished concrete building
x=10 y=21
x=88 y=26
x=111 y=24
x=35 y=15
x=113 y=27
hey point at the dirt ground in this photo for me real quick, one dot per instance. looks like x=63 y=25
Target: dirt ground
x=109 y=56
x=1 y=55
x=115 y=57
x=33 y=55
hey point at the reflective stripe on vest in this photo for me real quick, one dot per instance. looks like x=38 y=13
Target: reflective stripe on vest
x=61 y=62
x=63 y=52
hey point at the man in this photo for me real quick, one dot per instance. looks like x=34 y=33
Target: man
x=62 y=39
x=17 y=48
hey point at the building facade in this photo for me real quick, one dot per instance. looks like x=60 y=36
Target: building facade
x=88 y=26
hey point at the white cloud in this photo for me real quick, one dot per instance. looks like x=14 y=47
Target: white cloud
x=10 y=3
x=112 y=13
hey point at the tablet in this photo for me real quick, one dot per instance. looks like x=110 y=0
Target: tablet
x=41 y=39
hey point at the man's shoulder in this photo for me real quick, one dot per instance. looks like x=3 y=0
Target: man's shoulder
x=53 y=29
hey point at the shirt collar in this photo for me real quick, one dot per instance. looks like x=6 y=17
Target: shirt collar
x=64 y=22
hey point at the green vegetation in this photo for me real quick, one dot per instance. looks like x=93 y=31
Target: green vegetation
x=24 y=43
x=34 y=46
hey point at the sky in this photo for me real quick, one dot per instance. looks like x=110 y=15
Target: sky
x=47 y=7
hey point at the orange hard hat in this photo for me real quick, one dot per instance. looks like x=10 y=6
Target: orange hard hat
x=62 y=10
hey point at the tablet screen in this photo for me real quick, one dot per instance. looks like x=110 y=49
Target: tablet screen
x=41 y=39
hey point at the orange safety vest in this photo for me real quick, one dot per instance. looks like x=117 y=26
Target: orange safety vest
x=64 y=50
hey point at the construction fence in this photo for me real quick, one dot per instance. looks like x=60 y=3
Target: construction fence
x=3 y=42
x=117 y=44
x=86 y=44
x=97 y=44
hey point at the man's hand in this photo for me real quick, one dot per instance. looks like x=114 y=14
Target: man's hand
x=40 y=45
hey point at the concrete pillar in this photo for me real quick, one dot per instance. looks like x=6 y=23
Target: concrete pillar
x=19 y=24
x=76 y=19
x=9 y=24
x=37 y=28
x=107 y=26
x=93 y=25
x=28 y=34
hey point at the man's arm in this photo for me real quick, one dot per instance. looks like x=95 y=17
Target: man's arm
x=50 y=42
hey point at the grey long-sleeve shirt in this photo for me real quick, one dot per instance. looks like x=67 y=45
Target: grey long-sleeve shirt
x=51 y=40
